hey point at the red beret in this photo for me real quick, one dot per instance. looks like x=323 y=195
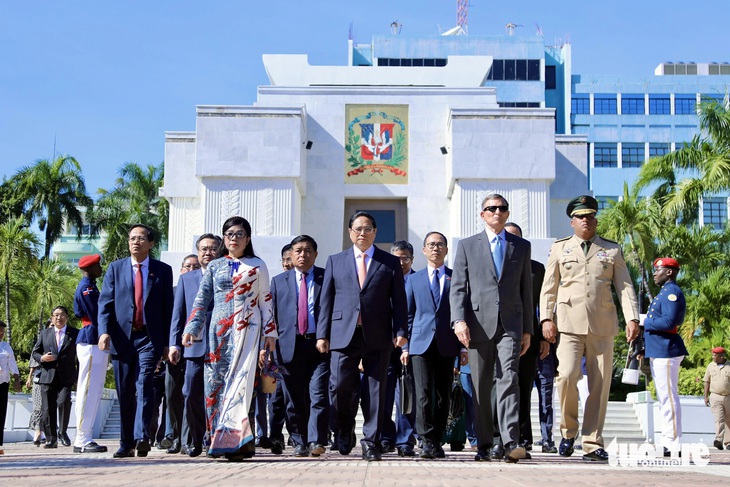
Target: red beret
x=89 y=260
x=718 y=350
x=666 y=262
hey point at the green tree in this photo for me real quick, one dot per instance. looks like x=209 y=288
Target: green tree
x=53 y=192
x=55 y=285
x=134 y=199
x=17 y=249
x=700 y=168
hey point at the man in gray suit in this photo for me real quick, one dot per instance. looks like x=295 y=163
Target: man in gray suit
x=491 y=303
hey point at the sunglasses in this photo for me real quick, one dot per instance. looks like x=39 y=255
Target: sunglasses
x=493 y=209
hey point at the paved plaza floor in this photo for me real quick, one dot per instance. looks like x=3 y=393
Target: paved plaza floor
x=24 y=464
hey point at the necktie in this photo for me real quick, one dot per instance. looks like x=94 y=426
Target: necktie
x=303 y=305
x=586 y=246
x=362 y=269
x=58 y=339
x=138 y=321
x=436 y=288
x=497 y=255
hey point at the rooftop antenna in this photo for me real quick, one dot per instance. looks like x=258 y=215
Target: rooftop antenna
x=462 y=15
x=395 y=28
x=510 y=28
x=539 y=29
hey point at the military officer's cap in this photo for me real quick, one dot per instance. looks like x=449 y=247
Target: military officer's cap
x=718 y=350
x=582 y=205
x=89 y=260
x=666 y=262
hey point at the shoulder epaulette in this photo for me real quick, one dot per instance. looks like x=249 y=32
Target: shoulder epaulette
x=608 y=240
x=563 y=239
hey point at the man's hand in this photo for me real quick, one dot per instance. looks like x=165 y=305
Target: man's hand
x=398 y=342
x=462 y=333
x=173 y=355
x=525 y=343
x=187 y=340
x=17 y=383
x=463 y=358
x=270 y=344
x=544 y=349
x=105 y=342
x=707 y=401
x=549 y=331
x=323 y=345
x=48 y=357
x=404 y=357
x=632 y=330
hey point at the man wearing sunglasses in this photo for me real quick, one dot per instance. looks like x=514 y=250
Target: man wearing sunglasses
x=576 y=304
x=491 y=303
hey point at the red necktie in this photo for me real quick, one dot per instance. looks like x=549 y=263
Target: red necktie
x=138 y=321
x=362 y=271
x=303 y=305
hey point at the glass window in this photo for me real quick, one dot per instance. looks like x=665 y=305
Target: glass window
x=659 y=105
x=382 y=61
x=714 y=212
x=521 y=72
x=440 y=62
x=418 y=62
x=684 y=104
x=604 y=105
x=550 y=78
x=394 y=62
x=580 y=105
x=533 y=70
x=632 y=155
x=605 y=155
x=498 y=69
x=386 y=225
x=604 y=201
x=429 y=62
x=632 y=104
x=406 y=62
x=509 y=69
x=658 y=149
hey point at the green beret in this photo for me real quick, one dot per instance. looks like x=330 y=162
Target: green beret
x=582 y=205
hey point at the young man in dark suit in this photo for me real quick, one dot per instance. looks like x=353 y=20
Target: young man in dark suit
x=135 y=308
x=296 y=295
x=55 y=351
x=363 y=315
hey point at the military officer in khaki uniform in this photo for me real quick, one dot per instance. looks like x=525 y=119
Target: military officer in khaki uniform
x=577 y=310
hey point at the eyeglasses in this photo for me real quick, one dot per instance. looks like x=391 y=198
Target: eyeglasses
x=493 y=209
x=137 y=239
x=589 y=217
x=191 y=266
x=235 y=235
x=405 y=260
x=208 y=249
x=436 y=245
x=364 y=230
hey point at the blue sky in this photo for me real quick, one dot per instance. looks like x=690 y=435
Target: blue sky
x=106 y=79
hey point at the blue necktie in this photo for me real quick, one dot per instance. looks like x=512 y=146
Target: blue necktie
x=497 y=255
x=436 y=288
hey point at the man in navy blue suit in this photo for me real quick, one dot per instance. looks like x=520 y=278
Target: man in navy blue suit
x=305 y=370
x=363 y=315
x=432 y=344
x=193 y=356
x=135 y=308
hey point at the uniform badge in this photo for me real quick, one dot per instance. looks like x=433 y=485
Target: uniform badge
x=567 y=250
x=601 y=253
x=672 y=297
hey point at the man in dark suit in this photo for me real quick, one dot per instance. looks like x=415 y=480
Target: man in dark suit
x=55 y=350
x=432 y=344
x=135 y=308
x=363 y=315
x=193 y=429
x=305 y=370
x=491 y=309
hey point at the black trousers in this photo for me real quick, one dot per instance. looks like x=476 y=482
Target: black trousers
x=4 y=387
x=432 y=375
x=56 y=409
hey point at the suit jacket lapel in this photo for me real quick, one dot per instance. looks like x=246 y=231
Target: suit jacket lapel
x=486 y=250
x=150 y=281
x=54 y=346
x=127 y=276
x=447 y=287
x=373 y=268
x=317 y=282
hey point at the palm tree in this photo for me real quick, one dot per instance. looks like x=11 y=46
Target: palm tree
x=700 y=168
x=134 y=199
x=17 y=248
x=55 y=285
x=54 y=191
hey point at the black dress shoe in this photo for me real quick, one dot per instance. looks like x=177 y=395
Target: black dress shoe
x=51 y=444
x=370 y=453
x=566 y=447
x=498 y=452
x=175 y=448
x=549 y=448
x=386 y=447
x=91 y=447
x=277 y=447
x=514 y=452
x=316 y=449
x=194 y=451
x=143 y=448
x=428 y=451
x=64 y=439
x=718 y=444
x=406 y=451
x=124 y=453
x=344 y=445
x=301 y=451
x=438 y=451
x=165 y=443
x=457 y=446
x=484 y=454
x=263 y=442
x=599 y=455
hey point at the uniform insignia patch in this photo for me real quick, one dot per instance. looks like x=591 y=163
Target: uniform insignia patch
x=672 y=297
